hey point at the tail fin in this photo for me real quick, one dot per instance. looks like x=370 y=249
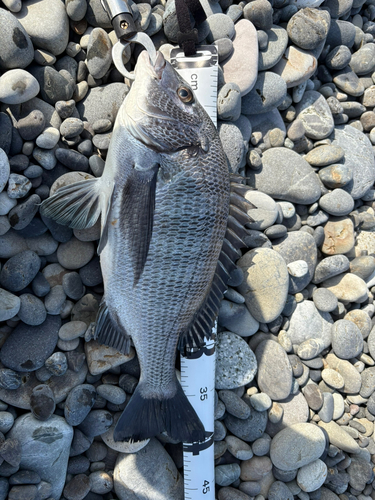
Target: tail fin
x=145 y=417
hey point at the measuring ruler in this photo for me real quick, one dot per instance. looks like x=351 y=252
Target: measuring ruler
x=198 y=367
x=200 y=72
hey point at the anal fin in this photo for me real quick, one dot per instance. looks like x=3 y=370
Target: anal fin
x=108 y=332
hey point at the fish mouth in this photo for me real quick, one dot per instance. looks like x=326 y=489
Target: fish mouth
x=154 y=70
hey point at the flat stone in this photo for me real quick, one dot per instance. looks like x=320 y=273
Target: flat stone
x=338 y=236
x=337 y=203
x=267 y=93
x=46 y=22
x=361 y=319
x=17 y=86
x=250 y=429
x=338 y=437
x=277 y=43
x=259 y=13
x=296 y=66
x=242 y=66
x=266 y=283
x=16 y=49
x=233 y=144
x=265 y=212
x=338 y=58
x=294 y=180
x=274 y=370
x=131 y=469
x=362 y=62
x=347 y=287
x=333 y=378
x=296 y=446
x=19 y=271
x=307 y=322
x=315 y=115
x=78 y=404
x=341 y=33
x=324 y=300
x=235 y=362
x=358 y=156
x=50 y=442
x=297 y=246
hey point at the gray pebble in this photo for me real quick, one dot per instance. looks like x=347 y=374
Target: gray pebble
x=324 y=300
x=79 y=403
x=329 y=267
x=220 y=26
x=97 y=422
x=21 y=215
x=224 y=48
x=338 y=58
x=32 y=310
x=18 y=186
x=229 y=102
x=326 y=411
x=10 y=305
x=308 y=28
x=16 y=49
x=99 y=55
x=112 y=393
x=259 y=13
x=336 y=176
x=71 y=127
x=20 y=270
x=337 y=203
x=250 y=429
x=234 y=404
x=54 y=300
x=57 y=364
x=17 y=86
x=268 y=92
x=227 y=474
x=347 y=340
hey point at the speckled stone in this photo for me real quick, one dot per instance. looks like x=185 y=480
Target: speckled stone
x=315 y=115
x=307 y=322
x=274 y=375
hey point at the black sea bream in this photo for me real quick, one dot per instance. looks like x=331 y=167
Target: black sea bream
x=165 y=249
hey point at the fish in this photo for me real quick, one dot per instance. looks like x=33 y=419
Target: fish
x=172 y=224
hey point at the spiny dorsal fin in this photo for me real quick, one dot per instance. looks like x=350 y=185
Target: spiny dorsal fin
x=108 y=331
x=204 y=320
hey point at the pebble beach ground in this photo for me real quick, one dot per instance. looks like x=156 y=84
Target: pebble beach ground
x=295 y=380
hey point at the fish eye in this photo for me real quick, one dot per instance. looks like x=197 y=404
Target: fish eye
x=185 y=95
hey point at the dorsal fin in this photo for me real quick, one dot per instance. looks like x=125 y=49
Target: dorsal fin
x=204 y=319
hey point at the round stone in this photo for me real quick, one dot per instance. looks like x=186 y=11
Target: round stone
x=338 y=236
x=361 y=319
x=307 y=323
x=308 y=28
x=315 y=115
x=19 y=271
x=220 y=26
x=9 y=305
x=338 y=58
x=336 y=176
x=284 y=183
x=259 y=12
x=308 y=445
x=46 y=23
x=333 y=378
x=347 y=287
x=32 y=310
x=265 y=212
x=337 y=203
x=250 y=429
x=79 y=403
x=265 y=287
x=362 y=62
x=99 y=55
x=255 y=468
x=311 y=477
x=18 y=86
x=229 y=102
x=75 y=253
x=237 y=318
x=324 y=300
x=235 y=362
x=347 y=340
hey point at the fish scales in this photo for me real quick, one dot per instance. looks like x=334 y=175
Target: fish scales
x=164 y=199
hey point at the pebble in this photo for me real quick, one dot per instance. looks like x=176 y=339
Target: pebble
x=274 y=375
x=308 y=28
x=266 y=283
x=357 y=156
x=361 y=319
x=46 y=23
x=347 y=287
x=101 y=358
x=337 y=203
x=296 y=66
x=19 y=271
x=307 y=323
x=311 y=477
x=348 y=372
x=99 y=55
x=77 y=488
x=277 y=43
x=102 y=102
x=347 y=340
x=16 y=49
x=130 y=473
x=32 y=311
x=229 y=102
x=315 y=115
x=338 y=437
x=255 y=468
x=232 y=141
x=308 y=445
x=324 y=300
x=237 y=370
x=42 y=402
x=339 y=236
x=267 y=93
x=52 y=451
x=282 y=183
x=10 y=305
x=244 y=45
x=250 y=429
x=18 y=86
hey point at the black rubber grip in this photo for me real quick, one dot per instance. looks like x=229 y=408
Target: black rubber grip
x=124 y=26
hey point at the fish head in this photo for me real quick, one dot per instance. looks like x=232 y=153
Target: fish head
x=162 y=111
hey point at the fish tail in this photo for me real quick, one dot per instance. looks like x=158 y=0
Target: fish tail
x=145 y=417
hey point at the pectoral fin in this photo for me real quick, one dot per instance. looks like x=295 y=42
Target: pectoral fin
x=137 y=215
x=76 y=205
